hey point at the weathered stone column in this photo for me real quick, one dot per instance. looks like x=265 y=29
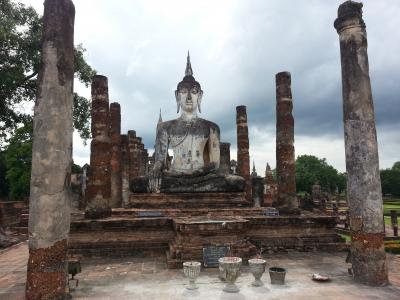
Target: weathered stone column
x=99 y=186
x=133 y=155
x=316 y=193
x=362 y=164
x=393 y=220
x=49 y=204
x=142 y=160
x=285 y=159
x=257 y=191
x=270 y=187
x=243 y=158
x=125 y=169
x=115 y=163
x=225 y=158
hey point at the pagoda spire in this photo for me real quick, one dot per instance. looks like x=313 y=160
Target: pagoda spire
x=160 y=118
x=254 y=173
x=188 y=71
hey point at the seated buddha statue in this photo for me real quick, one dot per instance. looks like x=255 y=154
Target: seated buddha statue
x=195 y=143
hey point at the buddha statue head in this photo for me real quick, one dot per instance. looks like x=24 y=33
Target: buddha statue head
x=188 y=93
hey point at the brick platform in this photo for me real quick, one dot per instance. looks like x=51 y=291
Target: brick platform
x=165 y=231
x=192 y=234
x=186 y=200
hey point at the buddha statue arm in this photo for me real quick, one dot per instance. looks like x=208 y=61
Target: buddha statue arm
x=213 y=147
x=161 y=149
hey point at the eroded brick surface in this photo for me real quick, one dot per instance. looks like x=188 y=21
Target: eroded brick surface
x=285 y=158
x=99 y=186
x=243 y=158
x=47 y=272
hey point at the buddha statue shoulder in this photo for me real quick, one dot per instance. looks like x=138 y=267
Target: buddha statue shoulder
x=195 y=143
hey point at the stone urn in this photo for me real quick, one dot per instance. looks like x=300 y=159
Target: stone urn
x=277 y=275
x=230 y=267
x=257 y=268
x=191 y=269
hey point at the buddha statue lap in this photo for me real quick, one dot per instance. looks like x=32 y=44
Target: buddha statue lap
x=195 y=143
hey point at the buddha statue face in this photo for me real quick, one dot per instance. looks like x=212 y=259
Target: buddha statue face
x=188 y=98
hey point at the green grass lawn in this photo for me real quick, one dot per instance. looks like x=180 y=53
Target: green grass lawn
x=391 y=205
x=388 y=222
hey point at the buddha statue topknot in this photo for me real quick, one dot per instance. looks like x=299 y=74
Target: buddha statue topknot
x=195 y=143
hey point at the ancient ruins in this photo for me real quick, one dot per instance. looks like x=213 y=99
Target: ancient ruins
x=178 y=206
x=195 y=204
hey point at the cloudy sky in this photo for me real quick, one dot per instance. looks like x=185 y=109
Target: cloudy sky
x=236 y=49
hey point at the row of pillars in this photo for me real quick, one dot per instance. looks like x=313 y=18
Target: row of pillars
x=49 y=216
x=115 y=159
x=362 y=164
x=285 y=155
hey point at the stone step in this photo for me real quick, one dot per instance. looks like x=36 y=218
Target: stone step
x=119 y=243
x=118 y=250
x=174 y=212
x=20 y=229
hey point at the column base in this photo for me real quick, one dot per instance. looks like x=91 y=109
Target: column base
x=368 y=259
x=47 y=272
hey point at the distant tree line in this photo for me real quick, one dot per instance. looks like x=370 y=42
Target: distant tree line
x=391 y=180
x=15 y=171
x=311 y=170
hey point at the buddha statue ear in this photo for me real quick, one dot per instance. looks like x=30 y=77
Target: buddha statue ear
x=178 y=104
x=199 y=100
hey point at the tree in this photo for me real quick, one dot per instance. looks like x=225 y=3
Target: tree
x=390 y=179
x=4 y=189
x=396 y=166
x=18 y=158
x=311 y=169
x=20 y=46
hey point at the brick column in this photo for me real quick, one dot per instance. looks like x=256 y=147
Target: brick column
x=243 y=158
x=50 y=196
x=133 y=155
x=115 y=163
x=257 y=191
x=225 y=158
x=285 y=160
x=99 y=186
x=145 y=162
x=142 y=159
x=125 y=169
x=362 y=163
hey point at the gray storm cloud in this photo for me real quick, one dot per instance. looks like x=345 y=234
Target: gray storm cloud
x=236 y=49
